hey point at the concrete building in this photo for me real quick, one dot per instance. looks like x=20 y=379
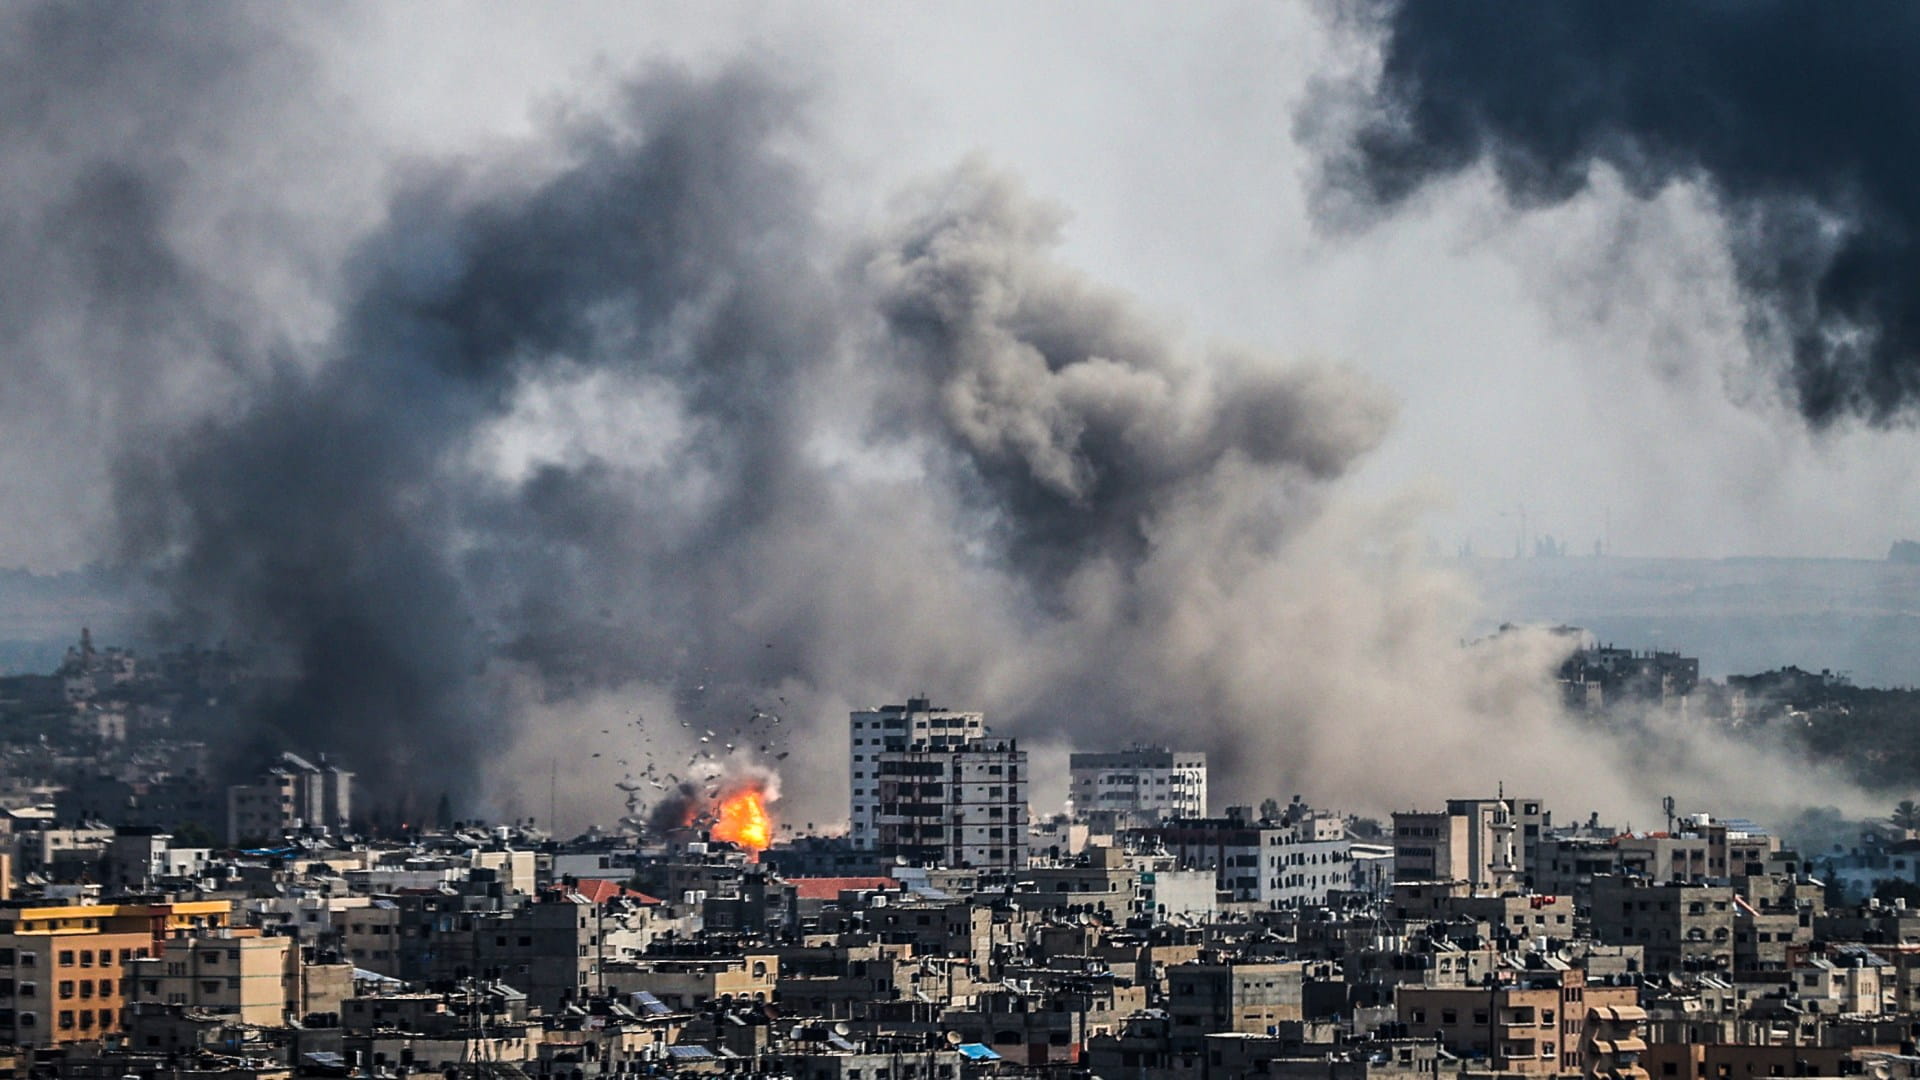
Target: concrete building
x=1611 y=1042
x=930 y=788
x=294 y=795
x=896 y=728
x=61 y=965
x=1478 y=841
x=1208 y=998
x=1233 y=848
x=244 y=974
x=688 y=983
x=1307 y=859
x=137 y=857
x=1150 y=781
x=1297 y=860
x=1683 y=927
x=1530 y=1026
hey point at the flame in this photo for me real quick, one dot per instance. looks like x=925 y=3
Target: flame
x=744 y=821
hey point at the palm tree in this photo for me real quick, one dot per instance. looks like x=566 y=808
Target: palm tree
x=1907 y=814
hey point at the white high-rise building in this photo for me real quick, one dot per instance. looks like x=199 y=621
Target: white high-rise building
x=929 y=786
x=1147 y=781
x=898 y=728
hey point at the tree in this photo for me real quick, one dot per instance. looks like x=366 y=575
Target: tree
x=1907 y=814
x=1890 y=889
x=194 y=835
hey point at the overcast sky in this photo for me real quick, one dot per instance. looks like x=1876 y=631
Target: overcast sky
x=1581 y=363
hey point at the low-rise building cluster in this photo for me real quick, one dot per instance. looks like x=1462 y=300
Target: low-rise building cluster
x=946 y=932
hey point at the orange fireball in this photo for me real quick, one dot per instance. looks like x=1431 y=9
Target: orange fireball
x=744 y=821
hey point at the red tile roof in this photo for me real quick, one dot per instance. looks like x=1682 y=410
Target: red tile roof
x=830 y=888
x=601 y=891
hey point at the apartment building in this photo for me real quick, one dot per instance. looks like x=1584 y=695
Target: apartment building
x=1145 y=781
x=62 y=967
x=1530 y=1026
x=1206 y=998
x=242 y=973
x=893 y=729
x=1683 y=927
x=1491 y=844
x=293 y=795
x=959 y=805
x=1294 y=861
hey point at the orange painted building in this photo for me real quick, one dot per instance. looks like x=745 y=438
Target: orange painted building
x=63 y=967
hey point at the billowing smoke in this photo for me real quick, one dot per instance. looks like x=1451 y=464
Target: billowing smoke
x=1798 y=117
x=616 y=421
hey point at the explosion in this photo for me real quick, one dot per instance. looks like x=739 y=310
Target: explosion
x=743 y=820
x=726 y=799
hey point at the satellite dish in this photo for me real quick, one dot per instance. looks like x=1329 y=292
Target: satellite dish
x=1880 y=1070
x=841 y=1029
x=953 y=1038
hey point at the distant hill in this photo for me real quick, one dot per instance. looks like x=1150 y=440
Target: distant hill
x=1859 y=616
x=41 y=614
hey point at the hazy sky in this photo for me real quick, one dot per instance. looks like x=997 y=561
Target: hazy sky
x=1584 y=362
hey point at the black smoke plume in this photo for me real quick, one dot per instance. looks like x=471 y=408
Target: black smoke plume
x=334 y=517
x=1801 y=117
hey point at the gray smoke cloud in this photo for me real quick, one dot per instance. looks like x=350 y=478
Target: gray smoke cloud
x=127 y=156
x=613 y=421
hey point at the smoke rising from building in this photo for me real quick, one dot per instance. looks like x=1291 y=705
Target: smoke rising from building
x=616 y=416
x=1796 y=118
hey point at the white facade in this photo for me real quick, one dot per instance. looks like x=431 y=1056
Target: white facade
x=1293 y=863
x=1148 y=780
x=962 y=806
x=1306 y=859
x=873 y=732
